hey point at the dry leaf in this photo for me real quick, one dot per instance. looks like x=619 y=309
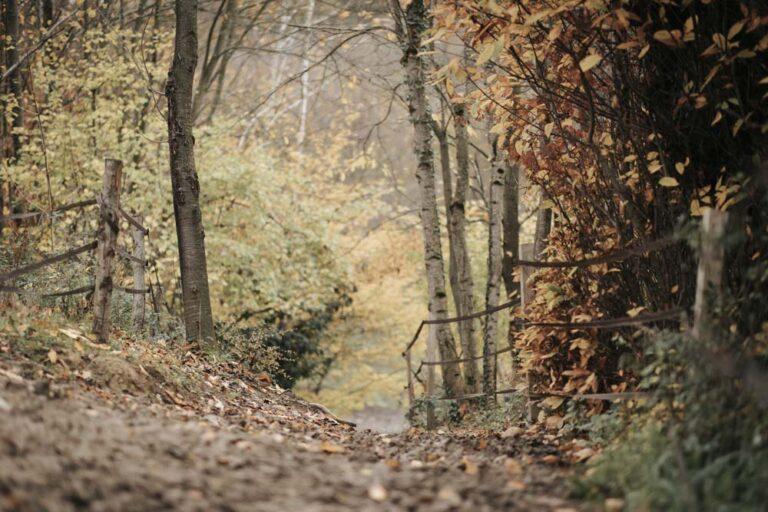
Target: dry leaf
x=550 y=459
x=511 y=432
x=53 y=357
x=590 y=61
x=513 y=467
x=377 y=492
x=469 y=467
x=329 y=447
x=668 y=181
x=583 y=454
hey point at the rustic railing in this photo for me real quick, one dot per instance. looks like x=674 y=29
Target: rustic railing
x=526 y=295
x=106 y=248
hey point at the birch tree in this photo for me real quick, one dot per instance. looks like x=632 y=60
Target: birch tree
x=308 y=20
x=410 y=25
x=198 y=319
x=493 y=287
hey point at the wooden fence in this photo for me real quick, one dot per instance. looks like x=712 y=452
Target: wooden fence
x=106 y=247
x=710 y=250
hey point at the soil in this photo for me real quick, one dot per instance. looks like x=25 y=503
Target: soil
x=243 y=444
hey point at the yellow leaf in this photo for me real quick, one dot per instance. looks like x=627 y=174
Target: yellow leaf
x=680 y=167
x=329 y=447
x=53 y=356
x=590 y=61
x=553 y=402
x=485 y=55
x=668 y=181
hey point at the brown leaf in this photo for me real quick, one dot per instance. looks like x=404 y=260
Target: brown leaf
x=329 y=447
x=377 y=492
x=469 y=467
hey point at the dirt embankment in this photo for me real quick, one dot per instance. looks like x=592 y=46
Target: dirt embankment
x=136 y=439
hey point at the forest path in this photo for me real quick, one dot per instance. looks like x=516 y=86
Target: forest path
x=66 y=447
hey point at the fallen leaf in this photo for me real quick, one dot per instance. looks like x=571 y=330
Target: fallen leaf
x=613 y=505
x=554 y=421
x=516 y=485
x=53 y=357
x=329 y=447
x=553 y=402
x=377 y=492
x=513 y=467
x=449 y=495
x=470 y=468
x=583 y=454
x=511 y=432
x=550 y=459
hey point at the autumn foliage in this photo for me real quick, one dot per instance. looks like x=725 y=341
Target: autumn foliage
x=631 y=117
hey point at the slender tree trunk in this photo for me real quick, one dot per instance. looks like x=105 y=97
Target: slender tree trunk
x=511 y=227
x=543 y=226
x=458 y=257
x=411 y=27
x=198 y=319
x=493 y=287
x=308 y=20
x=15 y=89
x=511 y=246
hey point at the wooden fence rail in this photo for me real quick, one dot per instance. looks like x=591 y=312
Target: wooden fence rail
x=106 y=247
x=527 y=265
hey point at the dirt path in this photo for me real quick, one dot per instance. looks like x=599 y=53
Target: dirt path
x=246 y=448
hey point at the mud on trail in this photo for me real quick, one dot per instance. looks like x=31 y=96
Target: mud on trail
x=71 y=439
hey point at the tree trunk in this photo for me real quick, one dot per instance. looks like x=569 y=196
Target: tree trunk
x=511 y=225
x=495 y=253
x=198 y=319
x=460 y=270
x=543 y=226
x=511 y=247
x=305 y=77
x=14 y=90
x=411 y=27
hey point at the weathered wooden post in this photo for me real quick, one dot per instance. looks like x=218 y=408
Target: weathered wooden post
x=709 y=277
x=138 y=264
x=409 y=369
x=109 y=208
x=432 y=355
x=526 y=297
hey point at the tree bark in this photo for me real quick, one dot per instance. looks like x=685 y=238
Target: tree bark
x=109 y=229
x=14 y=89
x=495 y=253
x=411 y=25
x=459 y=270
x=309 y=19
x=198 y=319
x=511 y=225
x=543 y=226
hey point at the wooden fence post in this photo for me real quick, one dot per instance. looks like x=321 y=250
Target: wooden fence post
x=109 y=204
x=526 y=297
x=709 y=277
x=432 y=355
x=409 y=369
x=138 y=265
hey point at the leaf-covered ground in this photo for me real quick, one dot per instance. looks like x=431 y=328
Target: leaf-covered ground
x=75 y=437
